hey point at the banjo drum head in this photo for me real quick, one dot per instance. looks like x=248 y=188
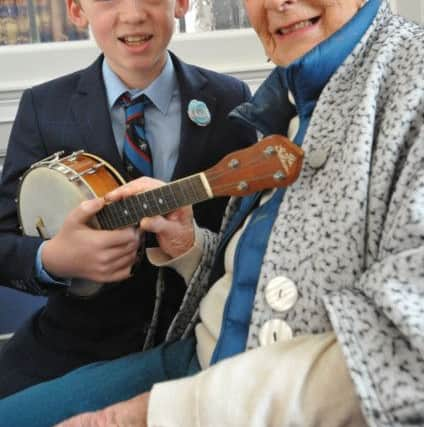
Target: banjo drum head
x=48 y=195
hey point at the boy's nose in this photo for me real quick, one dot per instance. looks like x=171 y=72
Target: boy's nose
x=135 y=9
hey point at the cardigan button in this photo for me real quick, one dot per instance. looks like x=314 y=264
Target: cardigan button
x=274 y=330
x=281 y=294
x=318 y=157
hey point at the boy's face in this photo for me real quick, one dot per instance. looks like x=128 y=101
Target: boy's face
x=290 y=28
x=133 y=34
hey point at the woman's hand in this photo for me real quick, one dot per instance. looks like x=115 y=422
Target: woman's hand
x=174 y=232
x=131 y=413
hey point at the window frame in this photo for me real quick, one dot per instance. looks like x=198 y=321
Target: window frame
x=237 y=52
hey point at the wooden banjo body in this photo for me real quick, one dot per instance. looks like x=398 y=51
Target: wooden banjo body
x=53 y=187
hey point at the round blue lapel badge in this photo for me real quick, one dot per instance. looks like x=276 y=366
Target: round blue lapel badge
x=199 y=113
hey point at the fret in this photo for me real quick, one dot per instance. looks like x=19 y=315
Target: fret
x=144 y=201
x=126 y=216
x=140 y=205
x=185 y=196
x=121 y=213
x=108 y=217
x=103 y=219
x=178 y=194
x=201 y=191
x=134 y=208
x=113 y=209
x=195 y=189
x=188 y=189
x=166 y=193
x=161 y=201
x=151 y=200
x=176 y=202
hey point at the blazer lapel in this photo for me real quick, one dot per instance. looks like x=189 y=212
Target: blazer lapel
x=90 y=109
x=193 y=138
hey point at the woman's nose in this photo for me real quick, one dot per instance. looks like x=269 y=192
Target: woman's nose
x=279 y=5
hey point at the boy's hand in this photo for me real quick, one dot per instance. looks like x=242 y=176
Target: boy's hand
x=79 y=251
x=174 y=232
x=131 y=413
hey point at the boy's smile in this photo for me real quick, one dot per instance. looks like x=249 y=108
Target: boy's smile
x=136 y=40
x=136 y=43
x=133 y=34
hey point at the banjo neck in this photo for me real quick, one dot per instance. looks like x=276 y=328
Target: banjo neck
x=160 y=201
x=274 y=161
x=62 y=183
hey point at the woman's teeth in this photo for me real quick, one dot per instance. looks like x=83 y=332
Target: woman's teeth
x=295 y=27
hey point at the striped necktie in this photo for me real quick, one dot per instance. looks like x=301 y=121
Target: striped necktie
x=136 y=152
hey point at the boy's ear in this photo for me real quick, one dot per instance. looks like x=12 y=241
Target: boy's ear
x=76 y=13
x=181 y=8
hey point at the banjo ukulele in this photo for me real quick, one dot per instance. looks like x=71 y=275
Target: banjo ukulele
x=54 y=186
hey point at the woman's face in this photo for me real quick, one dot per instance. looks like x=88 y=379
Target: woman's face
x=290 y=28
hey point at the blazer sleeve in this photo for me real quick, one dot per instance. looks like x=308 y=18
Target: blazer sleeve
x=18 y=252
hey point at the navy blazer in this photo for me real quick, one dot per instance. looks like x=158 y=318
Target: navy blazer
x=71 y=113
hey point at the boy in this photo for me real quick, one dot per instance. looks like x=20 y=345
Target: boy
x=84 y=111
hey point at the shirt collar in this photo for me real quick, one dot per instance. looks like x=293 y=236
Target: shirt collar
x=160 y=91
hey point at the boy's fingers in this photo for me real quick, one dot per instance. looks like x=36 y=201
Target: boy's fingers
x=124 y=236
x=86 y=210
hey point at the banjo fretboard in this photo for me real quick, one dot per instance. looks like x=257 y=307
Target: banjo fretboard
x=160 y=201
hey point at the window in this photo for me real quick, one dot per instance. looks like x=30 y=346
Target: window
x=208 y=15
x=35 y=21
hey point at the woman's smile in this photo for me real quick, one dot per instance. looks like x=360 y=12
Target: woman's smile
x=289 y=29
x=297 y=27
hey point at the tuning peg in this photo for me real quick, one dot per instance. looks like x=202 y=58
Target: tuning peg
x=279 y=176
x=243 y=186
x=233 y=164
x=269 y=151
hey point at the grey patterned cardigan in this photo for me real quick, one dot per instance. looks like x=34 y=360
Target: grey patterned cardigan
x=350 y=232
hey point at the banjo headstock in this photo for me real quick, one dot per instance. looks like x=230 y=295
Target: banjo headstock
x=274 y=161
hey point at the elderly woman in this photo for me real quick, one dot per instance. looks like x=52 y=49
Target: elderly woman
x=315 y=296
